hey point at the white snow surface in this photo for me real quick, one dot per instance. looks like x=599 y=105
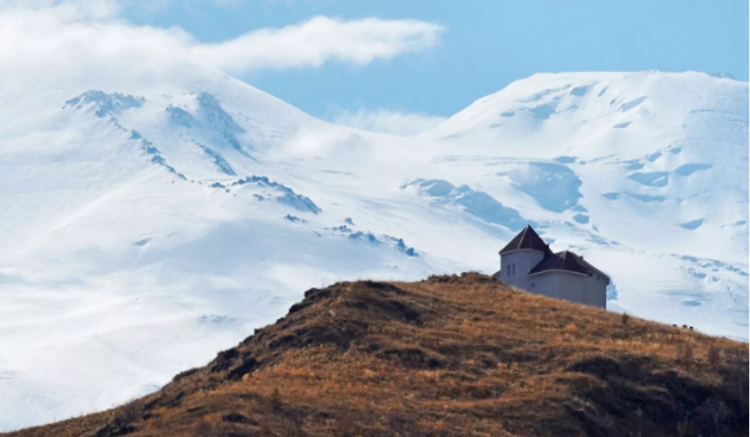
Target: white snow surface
x=149 y=221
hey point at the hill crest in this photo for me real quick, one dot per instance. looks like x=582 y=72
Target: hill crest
x=449 y=355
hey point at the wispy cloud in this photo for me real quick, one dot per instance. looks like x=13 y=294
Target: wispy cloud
x=319 y=40
x=52 y=33
x=393 y=122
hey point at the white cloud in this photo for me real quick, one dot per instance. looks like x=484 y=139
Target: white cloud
x=319 y=40
x=66 y=9
x=61 y=34
x=393 y=122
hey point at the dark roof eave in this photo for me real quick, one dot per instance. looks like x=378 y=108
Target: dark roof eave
x=503 y=252
x=588 y=264
x=557 y=270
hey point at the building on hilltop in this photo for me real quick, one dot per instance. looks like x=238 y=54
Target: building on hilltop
x=527 y=262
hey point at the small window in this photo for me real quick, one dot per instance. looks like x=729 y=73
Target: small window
x=532 y=285
x=508 y=269
x=514 y=269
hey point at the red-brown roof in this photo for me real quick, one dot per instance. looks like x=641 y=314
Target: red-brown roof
x=565 y=260
x=527 y=239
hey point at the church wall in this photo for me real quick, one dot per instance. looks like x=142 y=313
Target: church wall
x=524 y=261
x=570 y=286
x=545 y=285
x=595 y=291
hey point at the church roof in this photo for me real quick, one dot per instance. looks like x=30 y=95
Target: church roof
x=565 y=260
x=527 y=239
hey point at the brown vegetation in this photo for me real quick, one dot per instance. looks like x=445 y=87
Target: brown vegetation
x=448 y=356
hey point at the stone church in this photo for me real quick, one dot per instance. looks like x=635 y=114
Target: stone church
x=527 y=262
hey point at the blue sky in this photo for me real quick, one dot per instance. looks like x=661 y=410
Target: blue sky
x=485 y=45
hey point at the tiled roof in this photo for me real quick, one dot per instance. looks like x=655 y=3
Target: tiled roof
x=561 y=261
x=527 y=239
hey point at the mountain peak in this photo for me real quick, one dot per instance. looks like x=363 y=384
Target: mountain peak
x=105 y=104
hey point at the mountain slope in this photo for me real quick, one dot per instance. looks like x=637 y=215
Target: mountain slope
x=445 y=356
x=148 y=220
x=644 y=172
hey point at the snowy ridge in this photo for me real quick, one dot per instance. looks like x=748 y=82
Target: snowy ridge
x=149 y=221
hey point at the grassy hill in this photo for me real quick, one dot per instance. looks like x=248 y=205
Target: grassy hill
x=447 y=356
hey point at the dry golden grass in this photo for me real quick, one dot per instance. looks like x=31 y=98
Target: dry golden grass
x=444 y=357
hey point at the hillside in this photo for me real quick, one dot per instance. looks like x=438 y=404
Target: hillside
x=149 y=220
x=450 y=355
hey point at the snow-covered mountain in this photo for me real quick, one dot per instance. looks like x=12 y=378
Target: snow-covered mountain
x=149 y=221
